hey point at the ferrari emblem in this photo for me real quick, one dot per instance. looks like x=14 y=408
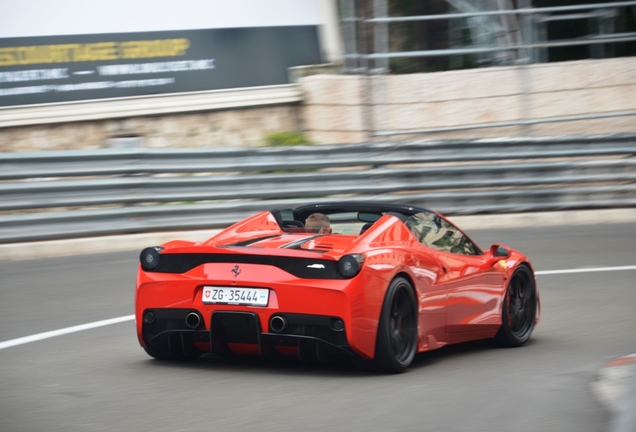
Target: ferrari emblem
x=503 y=264
x=236 y=271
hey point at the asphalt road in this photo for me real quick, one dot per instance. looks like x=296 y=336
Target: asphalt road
x=101 y=380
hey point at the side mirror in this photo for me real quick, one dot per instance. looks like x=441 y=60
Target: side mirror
x=497 y=253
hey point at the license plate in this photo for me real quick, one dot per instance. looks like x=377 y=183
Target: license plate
x=238 y=296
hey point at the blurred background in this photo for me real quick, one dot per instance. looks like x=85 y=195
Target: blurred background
x=159 y=117
x=217 y=75
x=127 y=123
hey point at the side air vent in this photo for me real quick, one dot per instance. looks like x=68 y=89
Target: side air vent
x=323 y=246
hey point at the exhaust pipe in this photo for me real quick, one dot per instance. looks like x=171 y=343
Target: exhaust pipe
x=277 y=324
x=193 y=320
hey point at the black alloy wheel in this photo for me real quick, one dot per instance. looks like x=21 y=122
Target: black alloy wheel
x=519 y=309
x=397 y=331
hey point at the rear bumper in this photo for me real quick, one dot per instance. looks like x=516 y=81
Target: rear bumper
x=310 y=337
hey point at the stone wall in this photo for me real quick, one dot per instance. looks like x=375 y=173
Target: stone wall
x=341 y=109
x=244 y=127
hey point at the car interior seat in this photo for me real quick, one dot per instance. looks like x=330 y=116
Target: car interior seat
x=365 y=227
x=293 y=224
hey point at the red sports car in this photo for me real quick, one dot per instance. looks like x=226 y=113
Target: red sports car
x=376 y=282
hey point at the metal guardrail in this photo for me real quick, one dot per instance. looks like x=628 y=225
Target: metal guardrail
x=65 y=194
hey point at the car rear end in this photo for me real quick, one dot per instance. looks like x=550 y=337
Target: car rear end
x=263 y=301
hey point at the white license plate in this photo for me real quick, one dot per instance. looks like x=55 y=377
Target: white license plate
x=232 y=295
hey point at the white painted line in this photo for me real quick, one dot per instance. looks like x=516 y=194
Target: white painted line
x=585 y=270
x=54 y=333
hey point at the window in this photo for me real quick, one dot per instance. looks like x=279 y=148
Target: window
x=437 y=233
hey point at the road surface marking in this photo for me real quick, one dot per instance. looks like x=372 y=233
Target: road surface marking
x=585 y=270
x=67 y=330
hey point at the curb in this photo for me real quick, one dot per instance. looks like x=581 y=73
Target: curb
x=615 y=388
x=95 y=245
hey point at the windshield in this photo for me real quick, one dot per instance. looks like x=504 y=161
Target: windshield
x=335 y=223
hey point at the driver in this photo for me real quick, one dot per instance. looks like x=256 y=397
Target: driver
x=318 y=223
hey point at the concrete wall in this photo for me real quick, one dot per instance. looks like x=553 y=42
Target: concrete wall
x=341 y=109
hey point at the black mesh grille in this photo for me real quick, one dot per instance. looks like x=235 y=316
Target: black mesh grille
x=320 y=327
x=166 y=320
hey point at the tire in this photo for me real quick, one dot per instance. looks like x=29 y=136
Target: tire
x=396 y=342
x=519 y=309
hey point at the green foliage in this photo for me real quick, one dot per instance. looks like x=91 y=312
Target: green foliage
x=281 y=139
x=286 y=139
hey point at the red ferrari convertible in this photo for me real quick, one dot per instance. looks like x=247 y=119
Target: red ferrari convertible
x=376 y=282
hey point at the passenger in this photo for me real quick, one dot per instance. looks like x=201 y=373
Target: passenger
x=318 y=223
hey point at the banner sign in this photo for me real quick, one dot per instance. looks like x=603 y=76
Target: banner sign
x=36 y=70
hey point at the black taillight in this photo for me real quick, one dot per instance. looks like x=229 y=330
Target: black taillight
x=350 y=265
x=150 y=258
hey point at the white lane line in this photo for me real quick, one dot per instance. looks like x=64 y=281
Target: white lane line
x=67 y=330
x=585 y=270
x=54 y=333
